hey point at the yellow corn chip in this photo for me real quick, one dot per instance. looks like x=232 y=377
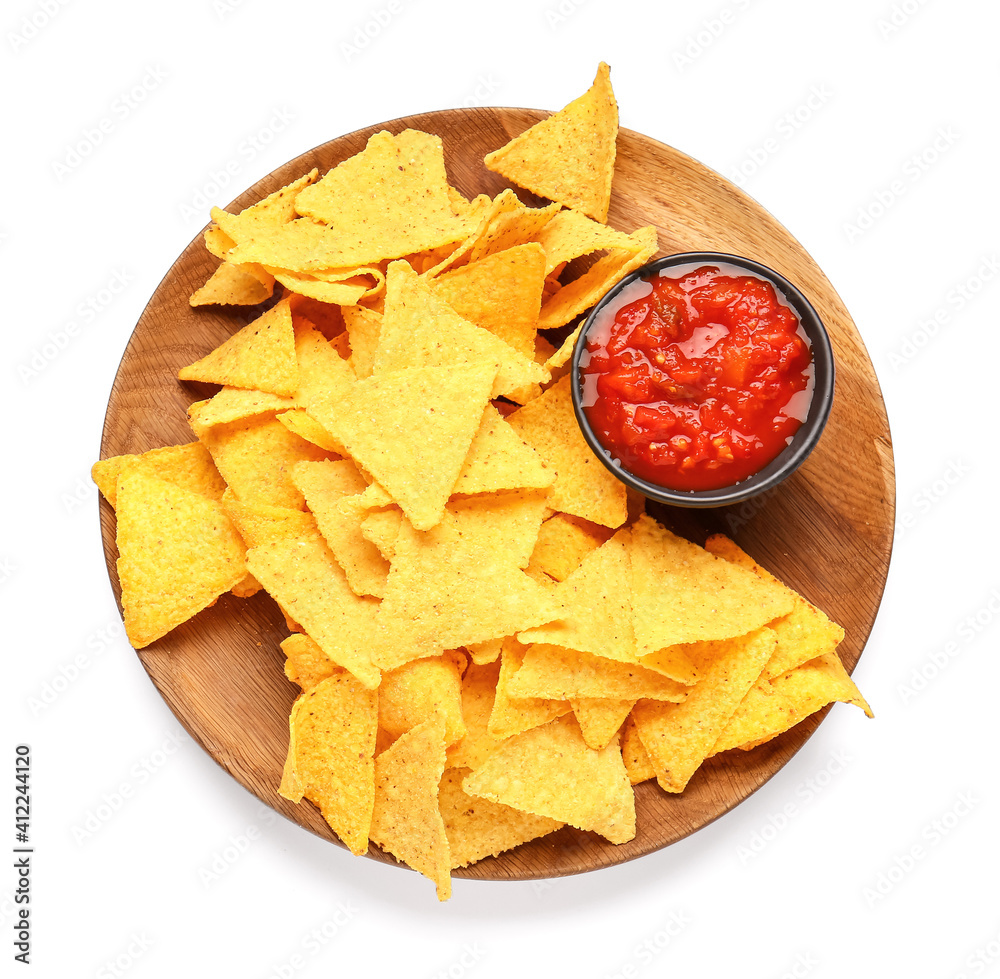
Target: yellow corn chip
x=255 y=457
x=233 y=404
x=305 y=662
x=563 y=542
x=550 y=771
x=412 y=693
x=445 y=591
x=683 y=594
x=583 y=486
x=305 y=579
x=501 y=293
x=260 y=356
x=478 y=694
x=600 y=718
x=235 y=285
x=178 y=552
x=584 y=291
x=679 y=737
x=330 y=755
x=364 y=326
x=637 y=763
x=499 y=460
x=568 y=674
x=420 y=329
x=595 y=607
x=771 y=707
x=803 y=634
x=479 y=828
x=324 y=485
x=188 y=465
x=259 y=523
x=406 y=820
x=569 y=156
x=515 y=714
x=439 y=409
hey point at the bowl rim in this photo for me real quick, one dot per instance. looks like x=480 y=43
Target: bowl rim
x=806 y=437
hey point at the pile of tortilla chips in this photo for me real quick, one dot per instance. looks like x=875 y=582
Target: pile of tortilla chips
x=491 y=638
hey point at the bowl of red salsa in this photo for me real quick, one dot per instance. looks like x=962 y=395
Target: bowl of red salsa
x=703 y=379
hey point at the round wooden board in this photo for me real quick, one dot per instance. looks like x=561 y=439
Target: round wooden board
x=826 y=532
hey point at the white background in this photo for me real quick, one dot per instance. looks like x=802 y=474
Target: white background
x=867 y=127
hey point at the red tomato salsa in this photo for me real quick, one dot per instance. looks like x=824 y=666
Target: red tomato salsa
x=697 y=382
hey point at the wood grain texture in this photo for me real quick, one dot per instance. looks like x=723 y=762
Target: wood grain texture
x=827 y=531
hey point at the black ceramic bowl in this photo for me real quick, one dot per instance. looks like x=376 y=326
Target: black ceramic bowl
x=805 y=438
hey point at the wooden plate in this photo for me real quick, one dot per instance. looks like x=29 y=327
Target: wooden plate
x=827 y=531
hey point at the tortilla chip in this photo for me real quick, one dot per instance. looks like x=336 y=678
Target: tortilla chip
x=679 y=737
x=634 y=755
x=305 y=662
x=439 y=409
x=364 y=326
x=803 y=634
x=406 y=820
x=550 y=771
x=178 y=552
x=499 y=460
x=260 y=356
x=595 y=607
x=583 y=486
x=324 y=485
x=513 y=714
x=501 y=293
x=600 y=718
x=305 y=579
x=234 y=404
x=479 y=828
x=584 y=291
x=683 y=594
x=772 y=707
x=569 y=156
x=411 y=694
x=445 y=591
x=420 y=329
x=255 y=457
x=478 y=694
x=563 y=542
x=568 y=674
x=235 y=285
x=330 y=756
x=189 y=465
x=259 y=523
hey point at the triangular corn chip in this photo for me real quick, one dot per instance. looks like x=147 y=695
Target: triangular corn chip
x=569 y=156
x=260 y=356
x=178 y=551
x=550 y=771
x=406 y=820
